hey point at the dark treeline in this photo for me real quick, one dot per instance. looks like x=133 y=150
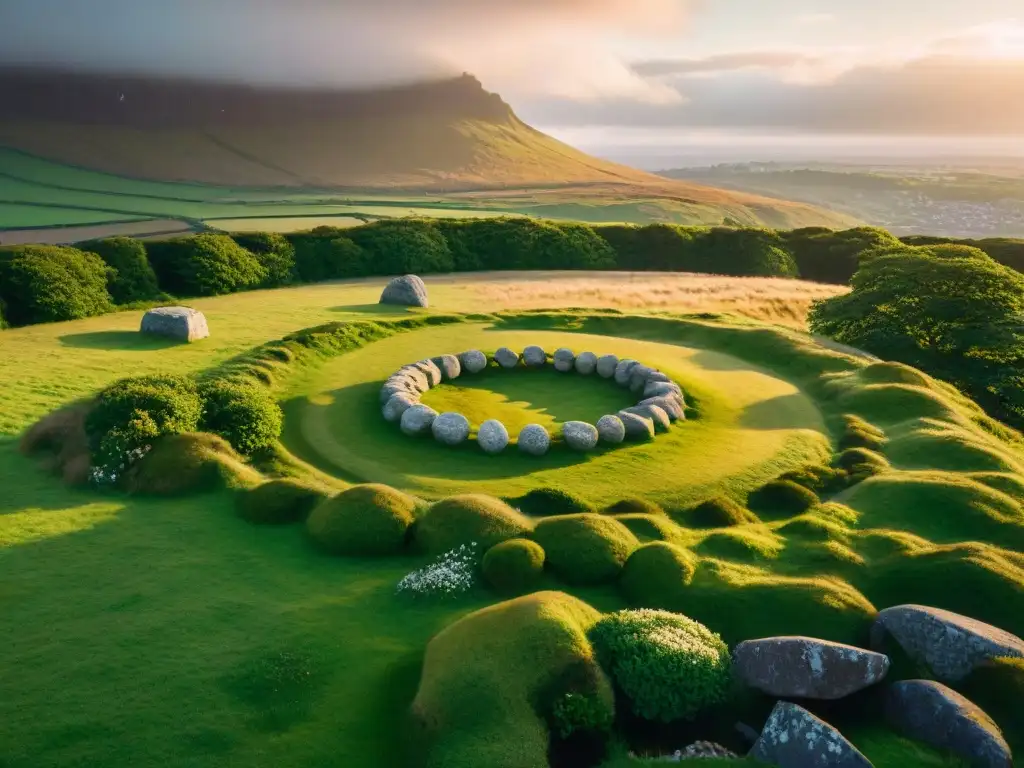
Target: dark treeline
x=47 y=283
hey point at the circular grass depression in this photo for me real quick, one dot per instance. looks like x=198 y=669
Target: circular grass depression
x=748 y=425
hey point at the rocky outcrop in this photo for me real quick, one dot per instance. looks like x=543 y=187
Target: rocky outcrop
x=939 y=716
x=407 y=291
x=179 y=323
x=794 y=738
x=807 y=668
x=950 y=645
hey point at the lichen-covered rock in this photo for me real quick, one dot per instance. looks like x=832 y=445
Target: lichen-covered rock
x=657 y=415
x=397 y=386
x=699 y=750
x=579 y=435
x=622 y=371
x=659 y=376
x=396 y=405
x=806 y=668
x=673 y=406
x=418 y=420
x=661 y=388
x=950 y=645
x=934 y=714
x=565 y=360
x=611 y=430
x=492 y=437
x=638 y=377
x=794 y=738
x=637 y=427
x=535 y=357
x=586 y=363
x=417 y=378
x=473 y=361
x=449 y=365
x=606 y=366
x=450 y=428
x=180 y=323
x=431 y=371
x=406 y=291
x=534 y=440
x=506 y=358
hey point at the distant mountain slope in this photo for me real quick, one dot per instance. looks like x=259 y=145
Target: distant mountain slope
x=444 y=137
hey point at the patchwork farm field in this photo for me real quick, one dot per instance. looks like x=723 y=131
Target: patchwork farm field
x=150 y=629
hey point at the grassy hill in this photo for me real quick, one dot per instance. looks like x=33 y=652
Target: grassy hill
x=184 y=150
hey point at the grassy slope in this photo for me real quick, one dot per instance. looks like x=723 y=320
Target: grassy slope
x=176 y=622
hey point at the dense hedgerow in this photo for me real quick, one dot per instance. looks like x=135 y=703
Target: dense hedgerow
x=274 y=253
x=402 y=246
x=825 y=256
x=46 y=284
x=327 y=253
x=366 y=520
x=204 y=265
x=133 y=278
x=514 y=566
x=243 y=413
x=667 y=666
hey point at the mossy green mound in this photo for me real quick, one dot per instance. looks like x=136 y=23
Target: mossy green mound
x=364 y=521
x=656 y=572
x=650 y=527
x=475 y=705
x=585 y=549
x=181 y=465
x=467 y=519
x=279 y=502
x=633 y=507
x=781 y=498
x=744 y=544
x=514 y=566
x=720 y=512
x=550 y=502
x=998 y=688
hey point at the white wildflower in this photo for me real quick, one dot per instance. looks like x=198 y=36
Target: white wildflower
x=453 y=573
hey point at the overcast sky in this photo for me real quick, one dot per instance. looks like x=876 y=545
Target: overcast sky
x=616 y=76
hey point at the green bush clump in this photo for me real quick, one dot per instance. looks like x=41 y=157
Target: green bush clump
x=204 y=265
x=514 y=566
x=328 y=253
x=243 y=413
x=861 y=463
x=578 y=701
x=364 y=521
x=279 y=502
x=274 y=253
x=133 y=278
x=782 y=498
x=133 y=412
x=48 y=284
x=720 y=512
x=633 y=507
x=549 y=502
x=185 y=464
x=825 y=256
x=747 y=251
x=466 y=519
x=654 y=247
x=654 y=569
x=668 y=667
x=818 y=478
x=587 y=548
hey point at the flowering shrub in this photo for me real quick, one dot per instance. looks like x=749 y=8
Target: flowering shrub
x=668 y=666
x=121 y=447
x=451 y=574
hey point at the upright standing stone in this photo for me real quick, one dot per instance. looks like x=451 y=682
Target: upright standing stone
x=181 y=323
x=407 y=291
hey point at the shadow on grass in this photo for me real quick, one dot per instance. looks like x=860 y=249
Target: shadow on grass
x=373 y=309
x=119 y=340
x=792 y=411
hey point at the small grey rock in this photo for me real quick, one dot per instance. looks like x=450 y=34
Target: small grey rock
x=622 y=371
x=706 y=750
x=535 y=357
x=611 y=430
x=794 y=738
x=939 y=716
x=638 y=378
x=579 y=435
x=450 y=428
x=606 y=366
x=506 y=358
x=418 y=420
x=671 y=405
x=417 y=378
x=492 y=437
x=534 y=440
x=662 y=388
x=396 y=405
x=657 y=415
x=586 y=363
x=637 y=427
x=659 y=376
x=407 y=291
x=564 y=360
x=392 y=388
x=180 y=323
x=449 y=365
x=473 y=361
x=806 y=668
x=950 y=645
x=431 y=371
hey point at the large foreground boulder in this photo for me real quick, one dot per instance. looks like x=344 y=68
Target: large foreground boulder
x=794 y=738
x=406 y=291
x=807 y=668
x=939 y=716
x=950 y=645
x=180 y=323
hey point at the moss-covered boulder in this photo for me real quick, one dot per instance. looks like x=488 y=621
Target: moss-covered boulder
x=514 y=566
x=364 y=521
x=467 y=519
x=279 y=502
x=585 y=549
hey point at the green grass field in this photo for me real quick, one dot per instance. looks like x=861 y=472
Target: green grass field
x=148 y=632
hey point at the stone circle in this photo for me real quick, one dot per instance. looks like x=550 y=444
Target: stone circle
x=406 y=291
x=662 y=401
x=181 y=323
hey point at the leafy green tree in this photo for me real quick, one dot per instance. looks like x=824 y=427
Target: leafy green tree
x=825 y=256
x=133 y=278
x=204 y=265
x=46 y=284
x=274 y=253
